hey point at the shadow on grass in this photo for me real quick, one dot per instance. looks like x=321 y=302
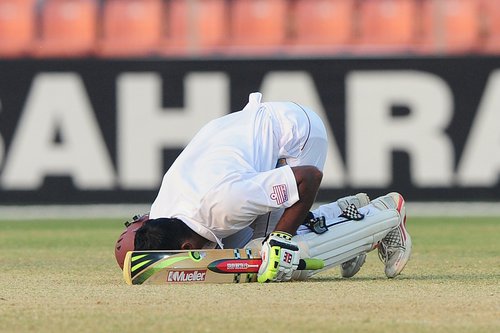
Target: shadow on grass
x=340 y=279
x=427 y=277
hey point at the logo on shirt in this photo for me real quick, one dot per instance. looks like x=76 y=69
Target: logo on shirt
x=280 y=194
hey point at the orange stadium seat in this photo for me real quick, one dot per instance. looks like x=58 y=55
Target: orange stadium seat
x=450 y=26
x=68 y=28
x=323 y=23
x=130 y=28
x=194 y=26
x=258 y=23
x=17 y=27
x=387 y=24
x=490 y=15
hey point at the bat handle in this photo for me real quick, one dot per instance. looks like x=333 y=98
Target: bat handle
x=311 y=264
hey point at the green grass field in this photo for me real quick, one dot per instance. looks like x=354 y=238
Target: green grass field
x=61 y=276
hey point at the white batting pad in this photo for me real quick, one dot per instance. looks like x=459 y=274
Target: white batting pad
x=345 y=240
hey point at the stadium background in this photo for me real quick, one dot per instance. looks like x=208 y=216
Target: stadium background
x=97 y=98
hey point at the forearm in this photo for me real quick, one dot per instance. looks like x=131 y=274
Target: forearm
x=308 y=181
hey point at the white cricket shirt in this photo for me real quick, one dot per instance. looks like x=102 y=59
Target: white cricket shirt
x=226 y=175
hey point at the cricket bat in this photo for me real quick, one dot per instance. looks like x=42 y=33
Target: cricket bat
x=198 y=266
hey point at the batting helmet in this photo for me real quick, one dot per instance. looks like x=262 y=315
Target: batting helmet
x=125 y=242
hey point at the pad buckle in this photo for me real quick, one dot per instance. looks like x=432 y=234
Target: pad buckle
x=317 y=224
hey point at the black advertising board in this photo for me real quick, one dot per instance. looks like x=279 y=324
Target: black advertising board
x=105 y=131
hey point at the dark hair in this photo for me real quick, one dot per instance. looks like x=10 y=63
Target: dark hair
x=162 y=234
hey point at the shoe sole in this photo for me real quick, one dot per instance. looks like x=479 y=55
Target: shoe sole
x=355 y=270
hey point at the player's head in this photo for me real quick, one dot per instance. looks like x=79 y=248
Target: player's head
x=167 y=234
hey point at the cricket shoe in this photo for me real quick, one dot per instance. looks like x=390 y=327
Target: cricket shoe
x=394 y=249
x=351 y=267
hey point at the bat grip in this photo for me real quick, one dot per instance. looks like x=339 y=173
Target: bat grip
x=310 y=264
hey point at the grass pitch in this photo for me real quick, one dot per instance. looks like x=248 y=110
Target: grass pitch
x=61 y=276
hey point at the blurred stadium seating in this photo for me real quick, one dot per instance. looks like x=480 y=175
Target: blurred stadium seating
x=490 y=27
x=162 y=28
x=257 y=25
x=387 y=25
x=193 y=27
x=450 y=26
x=17 y=27
x=129 y=27
x=67 y=28
x=321 y=26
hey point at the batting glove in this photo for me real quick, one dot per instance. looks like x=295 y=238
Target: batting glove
x=280 y=258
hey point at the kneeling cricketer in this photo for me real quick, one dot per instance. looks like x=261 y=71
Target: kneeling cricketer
x=248 y=181
x=340 y=233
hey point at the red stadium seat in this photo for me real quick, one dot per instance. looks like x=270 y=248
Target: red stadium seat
x=490 y=15
x=450 y=26
x=68 y=28
x=194 y=26
x=387 y=24
x=17 y=27
x=130 y=28
x=323 y=23
x=258 y=24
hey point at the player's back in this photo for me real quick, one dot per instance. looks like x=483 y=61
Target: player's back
x=238 y=143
